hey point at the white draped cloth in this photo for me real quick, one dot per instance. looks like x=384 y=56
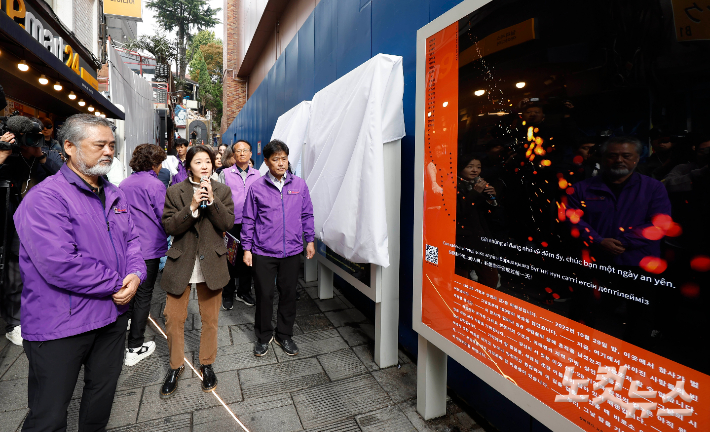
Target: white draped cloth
x=291 y=128
x=343 y=162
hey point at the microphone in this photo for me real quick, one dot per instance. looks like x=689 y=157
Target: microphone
x=490 y=196
x=203 y=204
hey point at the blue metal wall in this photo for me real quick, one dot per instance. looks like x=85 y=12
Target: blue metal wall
x=337 y=37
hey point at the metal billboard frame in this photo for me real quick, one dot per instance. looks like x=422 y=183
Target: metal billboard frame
x=433 y=347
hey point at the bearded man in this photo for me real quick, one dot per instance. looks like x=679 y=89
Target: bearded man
x=619 y=205
x=81 y=263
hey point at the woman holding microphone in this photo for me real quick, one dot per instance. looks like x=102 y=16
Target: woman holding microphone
x=197 y=211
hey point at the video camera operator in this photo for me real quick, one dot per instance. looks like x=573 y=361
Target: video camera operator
x=23 y=164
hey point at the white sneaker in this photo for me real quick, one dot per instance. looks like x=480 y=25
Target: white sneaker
x=129 y=325
x=135 y=355
x=15 y=336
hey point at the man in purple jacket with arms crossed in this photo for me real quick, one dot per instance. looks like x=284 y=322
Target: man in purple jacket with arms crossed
x=277 y=213
x=81 y=262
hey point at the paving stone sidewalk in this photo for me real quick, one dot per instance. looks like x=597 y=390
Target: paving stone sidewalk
x=332 y=385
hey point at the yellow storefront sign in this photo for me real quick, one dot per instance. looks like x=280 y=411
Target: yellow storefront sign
x=692 y=20
x=500 y=40
x=124 y=8
x=86 y=76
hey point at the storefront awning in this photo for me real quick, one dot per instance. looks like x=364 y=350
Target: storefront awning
x=17 y=45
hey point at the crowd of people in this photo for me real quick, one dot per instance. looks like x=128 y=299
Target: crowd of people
x=592 y=209
x=591 y=194
x=82 y=255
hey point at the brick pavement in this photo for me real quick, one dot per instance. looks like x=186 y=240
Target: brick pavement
x=332 y=385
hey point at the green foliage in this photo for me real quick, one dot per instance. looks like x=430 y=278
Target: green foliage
x=184 y=16
x=158 y=45
x=202 y=38
x=209 y=76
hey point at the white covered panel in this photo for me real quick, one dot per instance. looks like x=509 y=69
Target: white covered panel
x=350 y=121
x=291 y=128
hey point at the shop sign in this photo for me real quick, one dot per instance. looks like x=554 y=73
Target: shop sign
x=123 y=8
x=28 y=19
x=692 y=20
x=180 y=116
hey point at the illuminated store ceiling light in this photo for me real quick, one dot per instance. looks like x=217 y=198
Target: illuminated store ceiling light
x=521 y=84
x=23 y=66
x=57 y=86
x=91 y=108
x=97 y=114
x=103 y=115
x=479 y=92
x=72 y=96
x=43 y=80
x=81 y=102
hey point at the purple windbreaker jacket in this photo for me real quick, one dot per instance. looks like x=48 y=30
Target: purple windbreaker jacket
x=239 y=188
x=74 y=256
x=145 y=194
x=181 y=174
x=273 y=223
x=622 y=219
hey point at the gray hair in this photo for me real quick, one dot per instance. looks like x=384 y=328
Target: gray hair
x=75 y=128
x=623 y=140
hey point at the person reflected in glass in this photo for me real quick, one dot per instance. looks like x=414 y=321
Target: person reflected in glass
x=475 y=201
x=618 y=205
x=662 y=159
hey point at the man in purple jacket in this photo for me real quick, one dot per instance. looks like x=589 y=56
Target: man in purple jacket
x=277 y=213
x=239 y=178
x=618 y=205
x=81 y=262
x=181 y=151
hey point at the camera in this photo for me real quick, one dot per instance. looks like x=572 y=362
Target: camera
x=27 y=131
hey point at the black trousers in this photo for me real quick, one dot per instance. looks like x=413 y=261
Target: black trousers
x=240 y=274
x=286 y=272
x=11 y=292
x=140 y=305
x=54 y=369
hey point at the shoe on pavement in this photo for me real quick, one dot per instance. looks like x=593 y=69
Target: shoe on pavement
x=15 y=336
x=170 y=384
x=135 y=355
x=227 y=303
x=247 y=299
x=260 y=349
x=209 y=379
x=288 y=345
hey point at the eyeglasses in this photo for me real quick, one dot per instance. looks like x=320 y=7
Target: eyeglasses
x=242 y=151
x=49 y=127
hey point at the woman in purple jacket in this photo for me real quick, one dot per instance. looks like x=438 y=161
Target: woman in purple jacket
x=146 y=195
x=277 y=213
